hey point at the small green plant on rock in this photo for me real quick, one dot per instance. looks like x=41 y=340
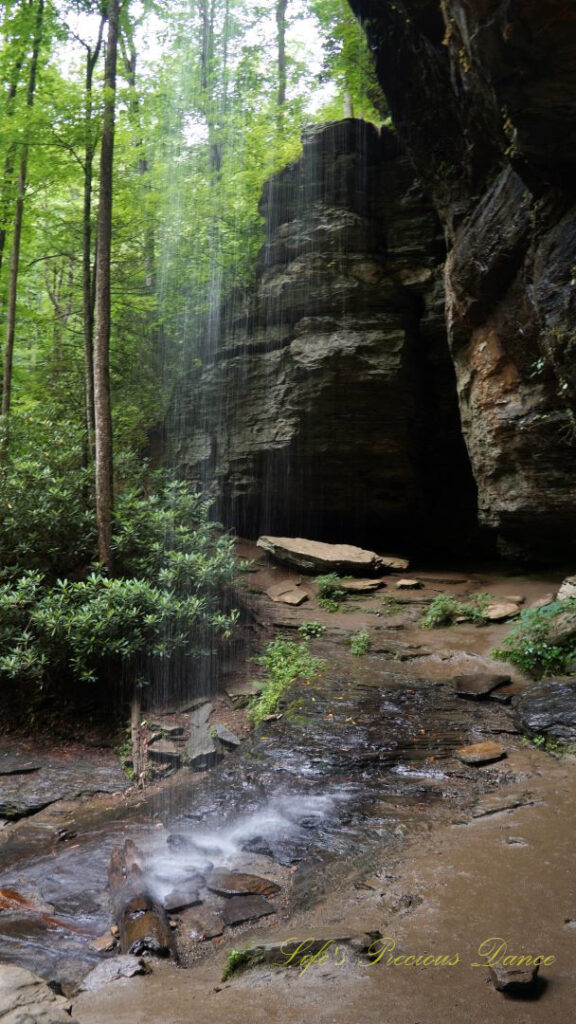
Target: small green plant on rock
x=444 y=610
x=309 y=630
x=329 y=592
x=239 y=960
x=360 y=644
x=544 y=641
x=390 y=606
x=285 y=661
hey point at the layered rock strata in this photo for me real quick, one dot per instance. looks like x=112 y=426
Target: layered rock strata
x=327 y=407
x=483 y=94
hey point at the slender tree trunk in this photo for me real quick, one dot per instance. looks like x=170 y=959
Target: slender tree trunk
x=102 y=398
x=7 y=181
x=281 y=6
x=18 y=219
x=87 y=271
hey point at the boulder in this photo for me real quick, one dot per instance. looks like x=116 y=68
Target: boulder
x=500 y=611
x=27 y=999
x=541 y=602
x=225 y=736
x=408 y=584
x=516 y=979
x=479 y=686
x=117 y=968
x=200 y=923
x=287 y=592
x=246 y=908
x=180 y=898
x=548 y=709
x=316 y=557
x=481 y=753
x=567 y=588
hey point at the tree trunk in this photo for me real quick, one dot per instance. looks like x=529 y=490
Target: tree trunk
x=87 y=274
x=136 y=735
x=102 y=398
x=281 y=6
x=18 y=218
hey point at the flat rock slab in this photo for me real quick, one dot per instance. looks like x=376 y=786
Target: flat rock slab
x=113 y=970
x=246 y=908
x=243 y=688
x=514 y=979
x=168 y=731
x=481 y=753
x=360 y=586
x=479 y=686
x=165 y=750
x=548 y=709
x=500 y=611
x=27 y=999
x=316 y=557
x=229 y=883
x=202 y=924
x=287 y=593
x=28 y=793
x=408 y=584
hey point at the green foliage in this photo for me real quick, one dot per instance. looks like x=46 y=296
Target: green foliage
x=444 y=610
x=549 y=746
x=360 y=644
x=530 y=645
x=348 y=63
x=329 y=592
x=285 y=661
x=176 y=564
x=308 y=630
x=46 y=517
x=238 y=960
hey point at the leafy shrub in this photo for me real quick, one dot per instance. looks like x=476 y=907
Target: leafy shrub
x=536 y=645
x=176 y=564
x=444 y=610
x=311 y=629
x=284 y=661
x=46 y=499
x=330 y=593
x=360 y=644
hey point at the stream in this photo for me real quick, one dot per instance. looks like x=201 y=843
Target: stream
x=359 y=758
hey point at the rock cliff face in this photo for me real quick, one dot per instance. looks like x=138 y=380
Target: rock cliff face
x=328 y=405
x=483 y=94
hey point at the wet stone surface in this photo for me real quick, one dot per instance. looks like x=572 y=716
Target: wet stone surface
x=304 y=801
x=29 y=784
